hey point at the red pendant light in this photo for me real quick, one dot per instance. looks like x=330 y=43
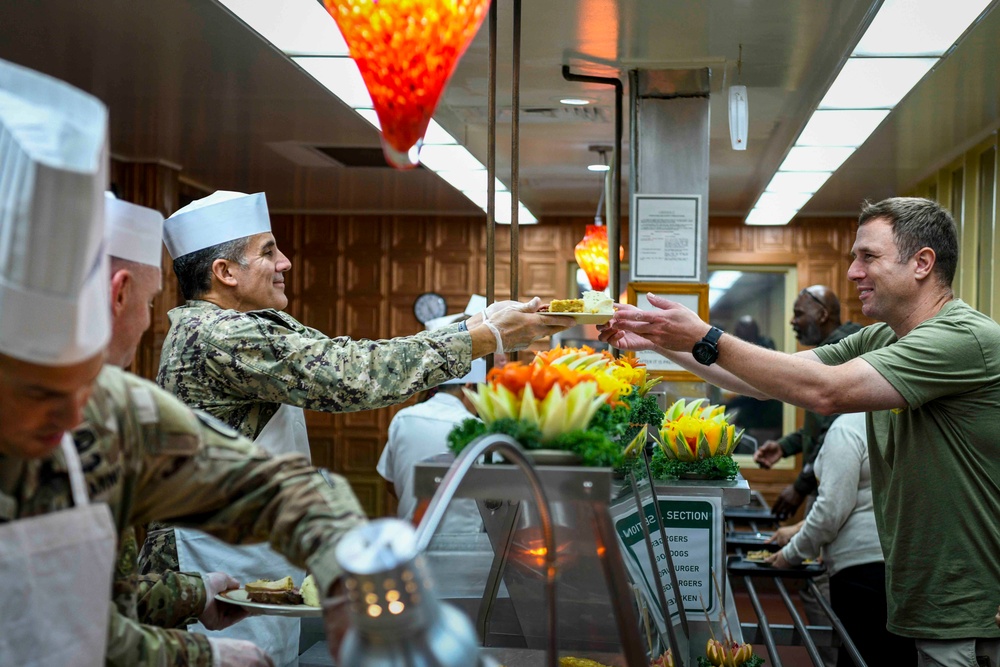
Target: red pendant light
x=406 y=51
x=593 y=257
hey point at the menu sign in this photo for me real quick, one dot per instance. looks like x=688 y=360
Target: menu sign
x=665 y=238
x=694 y=531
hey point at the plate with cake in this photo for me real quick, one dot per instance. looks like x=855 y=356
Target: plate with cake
x=593 y=308
x=277 y=598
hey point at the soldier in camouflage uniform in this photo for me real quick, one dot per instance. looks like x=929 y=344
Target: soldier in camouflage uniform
x=231 y=351
x=169 y=599
x=150 y=458
x=87 y=450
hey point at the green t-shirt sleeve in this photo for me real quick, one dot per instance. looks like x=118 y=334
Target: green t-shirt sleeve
x=843 y=350
x=938 y=358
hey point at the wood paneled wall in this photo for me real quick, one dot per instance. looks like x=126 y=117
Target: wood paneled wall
x=359 y=275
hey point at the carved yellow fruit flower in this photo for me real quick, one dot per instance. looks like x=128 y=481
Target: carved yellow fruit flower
x=721 y=656
x=691 y=432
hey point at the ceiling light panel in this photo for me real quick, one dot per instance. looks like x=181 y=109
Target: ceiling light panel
x=798 y=181
x=295 y=27
x=341 y=77
x=918 y=27
x=841 y=127
x=816 y=158
x=875 y=83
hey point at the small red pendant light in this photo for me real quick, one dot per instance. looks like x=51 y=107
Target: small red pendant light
x=592 y=256
x=406 y=51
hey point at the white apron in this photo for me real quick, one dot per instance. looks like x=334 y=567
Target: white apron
x=285 y=433
x=56 y=571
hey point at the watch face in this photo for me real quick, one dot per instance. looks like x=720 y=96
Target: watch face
x=428 y=306
x=705 y=353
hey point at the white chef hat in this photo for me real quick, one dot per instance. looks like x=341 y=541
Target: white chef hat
x=220 y=217
x=476 y=375
x=54 y=304
x=133 y=232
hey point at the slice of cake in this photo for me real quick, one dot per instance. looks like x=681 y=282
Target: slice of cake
x=282 y=591
x=566 y=306
x=597 y=302
x=310 y=593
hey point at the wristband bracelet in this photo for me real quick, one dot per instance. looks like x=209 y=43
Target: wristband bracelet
x=462 y=326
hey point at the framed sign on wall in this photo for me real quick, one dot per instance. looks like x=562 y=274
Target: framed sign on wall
x=691 y=295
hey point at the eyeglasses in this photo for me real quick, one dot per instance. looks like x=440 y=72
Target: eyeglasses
x=814 y=298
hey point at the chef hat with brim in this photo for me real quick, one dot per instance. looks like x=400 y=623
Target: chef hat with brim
x=218 y=218
x=133 y=232
x=474 y=376
x=54 y=303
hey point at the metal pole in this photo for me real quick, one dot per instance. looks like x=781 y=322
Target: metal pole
x=515 y=155
x=807 y=639
x=845 y=638
x=491 y=160
x=765 y=627
x=614 y=220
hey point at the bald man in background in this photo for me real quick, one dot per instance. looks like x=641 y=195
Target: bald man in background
x=816 y=322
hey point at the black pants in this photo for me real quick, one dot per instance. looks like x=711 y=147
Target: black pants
x=857 y=595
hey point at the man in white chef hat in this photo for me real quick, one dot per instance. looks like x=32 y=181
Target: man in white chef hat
x=54 y=325
x=232 y=352
x=134 y=236
x=147 y=456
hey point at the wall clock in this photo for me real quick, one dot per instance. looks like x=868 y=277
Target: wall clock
x=428 y=306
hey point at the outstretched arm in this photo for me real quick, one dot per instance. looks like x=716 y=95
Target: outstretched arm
x=854 y=386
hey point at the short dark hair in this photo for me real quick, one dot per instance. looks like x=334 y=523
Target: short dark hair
x=919 y=223
x=194 y=270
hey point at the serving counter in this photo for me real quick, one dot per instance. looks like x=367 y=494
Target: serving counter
x=607 y=598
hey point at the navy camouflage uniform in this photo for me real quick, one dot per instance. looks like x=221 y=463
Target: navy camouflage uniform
x=240 y=367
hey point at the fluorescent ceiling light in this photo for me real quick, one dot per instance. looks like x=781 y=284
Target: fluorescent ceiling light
x=448 y=158
x=875 y=83
x=815 y=158
x=298 y=27
x=502 y=202
x=903 y=42
x=598 y=167
x=798 y=181
x=841 y=127
x=780 y=201
x=918 y=27
x=759 y=216
x=437 y=135
x=470 y=181
x=574 y=101
x=371 y=117
x=341 y=77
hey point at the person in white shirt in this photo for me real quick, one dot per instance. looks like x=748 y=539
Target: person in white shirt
x=420 y=432
x=840 y=527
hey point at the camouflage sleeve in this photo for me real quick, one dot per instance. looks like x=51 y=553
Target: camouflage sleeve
x=171 y=599
x=199 y=473
x=131 y=644
x=270 y=359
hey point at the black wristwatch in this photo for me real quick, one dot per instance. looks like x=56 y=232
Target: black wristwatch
x=706 y=351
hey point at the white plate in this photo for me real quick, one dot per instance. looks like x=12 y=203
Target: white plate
x=238 y=596
x=585 y=318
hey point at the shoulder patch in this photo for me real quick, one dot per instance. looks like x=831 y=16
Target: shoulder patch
x=145 y=405
x=216 y=425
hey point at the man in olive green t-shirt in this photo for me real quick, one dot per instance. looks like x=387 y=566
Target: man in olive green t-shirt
x=929 y=377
